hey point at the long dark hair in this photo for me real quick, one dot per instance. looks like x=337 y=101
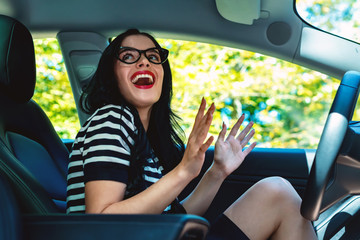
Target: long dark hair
x=164 y=133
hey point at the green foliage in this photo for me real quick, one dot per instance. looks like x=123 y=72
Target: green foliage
x=336 y=16
x=53 y=90
x=288 y=103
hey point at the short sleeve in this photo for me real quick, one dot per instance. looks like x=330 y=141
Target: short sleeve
x=107 y=145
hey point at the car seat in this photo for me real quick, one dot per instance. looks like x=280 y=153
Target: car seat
x=32 y=156
x=9 y=214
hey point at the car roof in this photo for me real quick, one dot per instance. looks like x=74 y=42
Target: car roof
x=255 y=25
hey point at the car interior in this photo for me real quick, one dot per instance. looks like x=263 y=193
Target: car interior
x=34 y=159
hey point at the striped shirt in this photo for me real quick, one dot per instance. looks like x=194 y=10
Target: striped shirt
x=102 y=151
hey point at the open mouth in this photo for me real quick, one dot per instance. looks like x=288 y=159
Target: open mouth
x=143 y=79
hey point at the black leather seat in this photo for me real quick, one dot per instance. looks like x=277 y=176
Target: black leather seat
x=33 y=160
x=32 y=156
x=10 y=228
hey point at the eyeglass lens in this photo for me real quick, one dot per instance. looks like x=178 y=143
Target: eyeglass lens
x=132 y=55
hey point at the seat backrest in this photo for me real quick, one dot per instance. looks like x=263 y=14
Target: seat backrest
x=32 y=156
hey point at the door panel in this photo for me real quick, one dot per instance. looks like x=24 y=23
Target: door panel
x=292 y=164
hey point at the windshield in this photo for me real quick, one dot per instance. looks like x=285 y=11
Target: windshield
x=340 y=17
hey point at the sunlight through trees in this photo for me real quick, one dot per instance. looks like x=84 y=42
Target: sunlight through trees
x=288 y=103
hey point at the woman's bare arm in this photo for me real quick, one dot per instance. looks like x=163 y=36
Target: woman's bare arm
x=108 y=196
x=228 y=156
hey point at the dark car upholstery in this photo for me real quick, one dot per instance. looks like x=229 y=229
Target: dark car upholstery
x=31 y=152
x=9 y=214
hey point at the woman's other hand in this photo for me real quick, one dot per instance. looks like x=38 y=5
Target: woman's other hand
x=230 y=152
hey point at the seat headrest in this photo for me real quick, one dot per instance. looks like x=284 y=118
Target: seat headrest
x=17 y=61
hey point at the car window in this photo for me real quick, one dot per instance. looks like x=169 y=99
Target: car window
x=288 y=103
x=53 y=91
x=340 y=17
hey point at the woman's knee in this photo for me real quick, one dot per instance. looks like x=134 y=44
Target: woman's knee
x=268 y=195
x=267 y=202
x=277 y=190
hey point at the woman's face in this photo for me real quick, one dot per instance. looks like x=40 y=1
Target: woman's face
x=141 y=82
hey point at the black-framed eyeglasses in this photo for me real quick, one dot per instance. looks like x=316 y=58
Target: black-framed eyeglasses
x=131 y=55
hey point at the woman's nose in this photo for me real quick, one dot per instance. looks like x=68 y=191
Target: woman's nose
x=143 y=61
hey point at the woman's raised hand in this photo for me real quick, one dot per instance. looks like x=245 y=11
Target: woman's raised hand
x=196 y=147
x=230 y=152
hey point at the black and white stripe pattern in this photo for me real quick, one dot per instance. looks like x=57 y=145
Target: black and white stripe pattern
x=105 y=139
x=102 y=151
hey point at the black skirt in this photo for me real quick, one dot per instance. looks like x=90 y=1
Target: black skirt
x=224 y=229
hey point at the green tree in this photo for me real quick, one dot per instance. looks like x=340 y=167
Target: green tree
x=284 y=100
x=53 y=91
x=288 y=103
x=336 y=16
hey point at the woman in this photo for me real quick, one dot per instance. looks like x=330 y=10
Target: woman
x=129 y=158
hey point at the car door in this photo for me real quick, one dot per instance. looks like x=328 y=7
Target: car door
x=291 y=164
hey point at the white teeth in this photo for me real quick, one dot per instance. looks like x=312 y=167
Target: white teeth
x=142 y=76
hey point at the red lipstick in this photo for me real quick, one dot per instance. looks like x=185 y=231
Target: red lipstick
x=143 y=79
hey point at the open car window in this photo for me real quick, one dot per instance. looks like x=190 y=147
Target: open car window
x=53 y=91
x=288 y=103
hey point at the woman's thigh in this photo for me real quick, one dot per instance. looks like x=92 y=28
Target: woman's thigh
x=259 y=210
